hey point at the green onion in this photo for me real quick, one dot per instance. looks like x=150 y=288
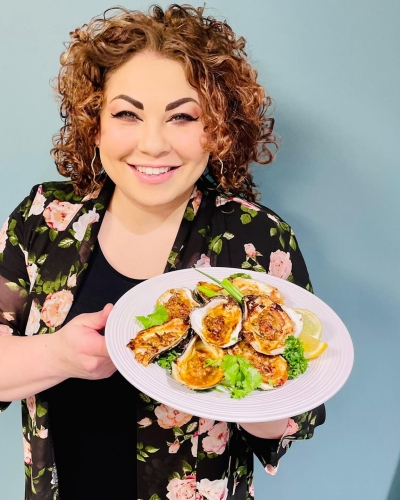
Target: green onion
x=207 y=291
x=226 y=285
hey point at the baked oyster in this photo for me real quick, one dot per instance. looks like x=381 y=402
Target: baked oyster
x=267 y=325
x=189 y=369
x=178 y=302
x=253 y=287
x=218 y=322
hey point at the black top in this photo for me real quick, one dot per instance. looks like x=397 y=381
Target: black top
x=111 y=436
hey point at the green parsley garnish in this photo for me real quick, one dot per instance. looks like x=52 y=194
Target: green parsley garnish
x=294 y=355
x=158 y=317
x=167 y=358
x=241 y=377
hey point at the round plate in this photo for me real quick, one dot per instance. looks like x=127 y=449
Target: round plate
x=323 y=378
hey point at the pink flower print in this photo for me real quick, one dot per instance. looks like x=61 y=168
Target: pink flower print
x=58 y=214
x=83 y=222
x=93 y=195
x=251 y=489
x=8 y=316
x=250 y=250
x=213 y=490
x=182 y=489
x=27 y=451
x=197 y=196
x=174 y=447
x=292 y=428
x=31 y=405
x=205 y=425
x=245 y=203
x=220 y=201
x=217 y=439
x=204 y=261
x=43 y=433
x=280 y=264
x=274 y=218
x=195 y=443
x=71 y=281
x=145 y=422
x=271 y=470
x=169 y=418
x=3 y=236
x=5 y=330
x=37 y=206
x=56 y=307
x=33 y=323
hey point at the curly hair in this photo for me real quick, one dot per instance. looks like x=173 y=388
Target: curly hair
x=234 y=104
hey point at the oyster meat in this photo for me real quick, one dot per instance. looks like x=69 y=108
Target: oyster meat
x=178 y=302
x=218 y=322
x=253 y=287
x=267 y=324
x=273 y=369
x=189 y=368
x=151 y=342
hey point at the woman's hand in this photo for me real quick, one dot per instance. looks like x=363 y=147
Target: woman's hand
x=80 y=350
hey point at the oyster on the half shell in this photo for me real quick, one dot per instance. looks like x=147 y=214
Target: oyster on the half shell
x=267 y=325
x=178 y=302
x=273 y=369
x=189 y=369
x=218 y=322
x=254 y=287
x=151 y=342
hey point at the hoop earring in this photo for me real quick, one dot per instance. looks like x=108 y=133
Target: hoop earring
x=92 y=164
x=222 y=166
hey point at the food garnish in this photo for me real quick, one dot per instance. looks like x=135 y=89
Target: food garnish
x=240 y=377
x=294 y=355
x=158 y=317
x=167 y=358
x=226 y=285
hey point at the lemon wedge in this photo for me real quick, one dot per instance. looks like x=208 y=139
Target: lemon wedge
x=312 y=347
x=311 y=323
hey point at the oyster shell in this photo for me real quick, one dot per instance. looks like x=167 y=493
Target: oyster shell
x=267 y=324
x=253 y=287
x=151 y=342
x=273 y=369
x=218 y=322
x=178 y=302
x=189 y=368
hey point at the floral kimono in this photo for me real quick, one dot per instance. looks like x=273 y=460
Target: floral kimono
x=45 y=248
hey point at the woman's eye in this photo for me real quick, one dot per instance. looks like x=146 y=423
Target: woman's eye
x=125 y=115
x=183 y=117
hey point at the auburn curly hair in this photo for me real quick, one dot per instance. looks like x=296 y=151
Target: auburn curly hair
x=234 y=104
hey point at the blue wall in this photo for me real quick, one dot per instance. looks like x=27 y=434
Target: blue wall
x=333 y=70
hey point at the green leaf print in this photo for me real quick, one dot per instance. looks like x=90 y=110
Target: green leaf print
x=41 y=229
x=309 y=288
x=246 y=265
x=151 y=449
x=154 y=497
x=172 y=257
x=28 y=471
x=139 y=457
x=281 y=241
x=245 y=218
x=250 y=211
x=41 y=412
x=292 y=243
x=53 y=234
x=12 y=286
x=191 y=427
x=66 y=243
x=12 y=224
x=23 y=293
x=173 y=476
x=259 y=268
x=48 y=287
x=284 y=226
x=13 y=240
x=99 y=206
x=189 y=214
x=60 y=195
x=290 y=278
x=186 y=467
x=178 y=431
x=139 y=446
x=22 y=282
x=217 y=247
x=228 y=236
x=273 y=231
x=144 y=454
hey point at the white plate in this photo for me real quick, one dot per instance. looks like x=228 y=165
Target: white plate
x=324 y=377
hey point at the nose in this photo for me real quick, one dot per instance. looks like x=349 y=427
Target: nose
x=153 y=140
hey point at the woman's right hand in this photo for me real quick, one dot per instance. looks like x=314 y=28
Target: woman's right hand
x=80 y=350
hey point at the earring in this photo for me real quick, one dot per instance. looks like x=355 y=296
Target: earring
x=92 y=164
x=222 y=166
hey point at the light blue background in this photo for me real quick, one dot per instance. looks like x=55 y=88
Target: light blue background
x=333 y=70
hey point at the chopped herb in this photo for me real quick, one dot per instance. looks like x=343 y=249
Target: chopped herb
x=167 y=358
x=207 y=292
x=158 y=317
x=241 y=275
x=241 y=378
x=294 y=355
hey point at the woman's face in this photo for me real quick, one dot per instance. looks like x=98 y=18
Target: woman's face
x=151 y=132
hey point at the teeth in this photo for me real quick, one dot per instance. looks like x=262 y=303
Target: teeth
x=152 y=171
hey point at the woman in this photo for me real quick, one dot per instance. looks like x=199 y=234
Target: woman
x=162 y=117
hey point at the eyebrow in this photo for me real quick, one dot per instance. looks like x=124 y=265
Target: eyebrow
x=169 y=107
